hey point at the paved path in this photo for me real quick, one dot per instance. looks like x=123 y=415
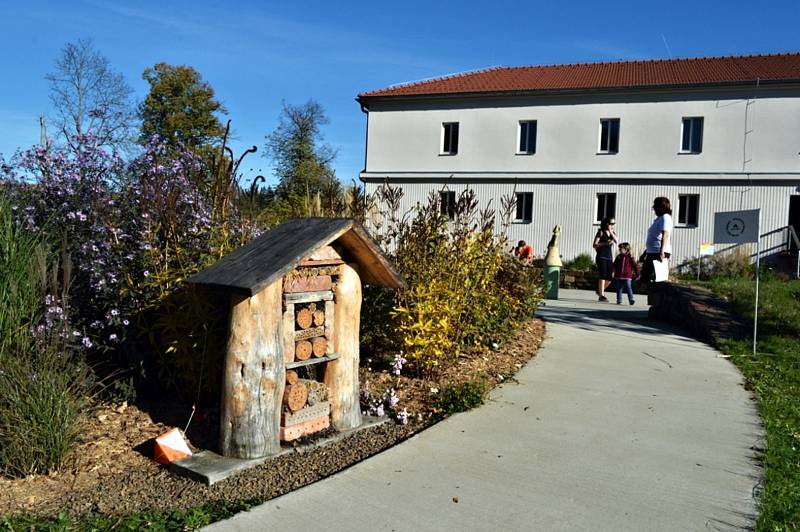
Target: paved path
x=617 y=424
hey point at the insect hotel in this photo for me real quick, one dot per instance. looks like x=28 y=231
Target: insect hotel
x=292 y=355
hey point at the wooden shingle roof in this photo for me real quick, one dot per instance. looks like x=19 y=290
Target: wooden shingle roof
x=265 y=259
x=693 y=72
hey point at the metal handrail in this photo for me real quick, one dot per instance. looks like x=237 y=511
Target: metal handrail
x=791 y=236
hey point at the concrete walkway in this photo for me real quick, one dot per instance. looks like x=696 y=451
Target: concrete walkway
x=619 y=423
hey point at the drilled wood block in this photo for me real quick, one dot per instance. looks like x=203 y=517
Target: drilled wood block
x=289 y=419
x=309 y=333
x=305 y=318
x=315 y=283
x=303 y=350
x=307 y=427
x=308 y=297
x=319 y=346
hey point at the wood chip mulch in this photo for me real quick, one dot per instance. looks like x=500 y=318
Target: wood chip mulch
x=111 y=471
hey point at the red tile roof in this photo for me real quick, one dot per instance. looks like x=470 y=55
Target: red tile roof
x=618 y=75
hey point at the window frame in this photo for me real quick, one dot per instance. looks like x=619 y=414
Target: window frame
x=608 y=151
x=686 y=222
x=691 y=151
x=599 y=219
x=447 y=203
x=445 y=137
x=519 y=136
x=527 y=205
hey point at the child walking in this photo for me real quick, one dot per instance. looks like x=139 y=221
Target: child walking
x=624 y=269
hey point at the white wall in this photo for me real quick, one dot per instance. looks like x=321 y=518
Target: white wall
x=404 y=138
x=573 y=207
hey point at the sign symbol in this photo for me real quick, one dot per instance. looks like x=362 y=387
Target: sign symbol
x=735 y=227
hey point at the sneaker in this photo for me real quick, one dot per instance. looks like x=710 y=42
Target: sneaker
x=632 y=301
x=602 y=299
x=619 y=302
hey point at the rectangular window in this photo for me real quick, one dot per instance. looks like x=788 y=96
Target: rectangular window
x=692 y=135
x=688 y=207
x=524 y=207
x=447 y=203
x=527 y=136
x=609 y=135
x=606 y=206
x=450 y=138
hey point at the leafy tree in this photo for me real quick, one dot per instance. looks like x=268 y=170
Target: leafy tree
x=181 y=108
x=302 y=159
x=89 y=98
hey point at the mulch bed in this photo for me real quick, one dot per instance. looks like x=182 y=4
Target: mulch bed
x=111 y=472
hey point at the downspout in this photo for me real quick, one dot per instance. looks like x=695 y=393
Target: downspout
x=365 y=110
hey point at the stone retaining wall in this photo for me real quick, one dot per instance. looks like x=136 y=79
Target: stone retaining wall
x=700 y=311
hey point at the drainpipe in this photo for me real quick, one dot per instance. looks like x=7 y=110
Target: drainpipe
x=365 y=110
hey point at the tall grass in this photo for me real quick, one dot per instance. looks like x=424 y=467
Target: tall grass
x=22 y=260
x=43 y=389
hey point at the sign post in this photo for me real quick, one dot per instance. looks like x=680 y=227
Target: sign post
x=741 y=227
x=706 y=250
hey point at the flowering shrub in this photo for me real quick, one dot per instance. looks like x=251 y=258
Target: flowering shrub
x=67 y=194
x=130 y=234
x=464 y=287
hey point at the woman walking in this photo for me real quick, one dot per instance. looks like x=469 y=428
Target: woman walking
x=659 y=238
x=603 y=243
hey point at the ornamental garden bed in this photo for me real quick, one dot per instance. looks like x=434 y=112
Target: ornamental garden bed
x=112 y=477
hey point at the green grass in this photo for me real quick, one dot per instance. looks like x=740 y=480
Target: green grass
x=190 y=519
x=774 y=376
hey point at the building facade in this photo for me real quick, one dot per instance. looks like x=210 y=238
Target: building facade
x=575 y=143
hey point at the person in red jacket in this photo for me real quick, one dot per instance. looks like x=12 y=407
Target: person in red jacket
x=625 y=270
x=524 y=252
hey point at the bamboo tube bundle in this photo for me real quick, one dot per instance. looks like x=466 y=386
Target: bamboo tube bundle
x=317 y=391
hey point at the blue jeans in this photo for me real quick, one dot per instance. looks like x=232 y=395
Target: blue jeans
x=624 y=283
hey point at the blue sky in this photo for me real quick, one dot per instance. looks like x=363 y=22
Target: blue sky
x=256 y=54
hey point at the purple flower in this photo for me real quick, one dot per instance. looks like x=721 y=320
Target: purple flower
x=402 y=417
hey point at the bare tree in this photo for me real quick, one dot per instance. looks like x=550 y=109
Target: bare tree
x=89 y=98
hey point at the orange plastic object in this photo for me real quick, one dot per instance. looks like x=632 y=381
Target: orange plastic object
x=171 y=446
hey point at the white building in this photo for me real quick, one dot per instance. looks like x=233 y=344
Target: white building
x=579 y=142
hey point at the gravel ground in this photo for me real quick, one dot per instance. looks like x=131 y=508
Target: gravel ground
x=113 y=474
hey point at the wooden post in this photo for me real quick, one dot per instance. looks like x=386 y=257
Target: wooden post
x=253 y=384
x=341 y=375
x=288 y=333
x=330 y=313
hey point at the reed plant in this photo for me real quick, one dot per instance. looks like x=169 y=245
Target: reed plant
x=44 y=389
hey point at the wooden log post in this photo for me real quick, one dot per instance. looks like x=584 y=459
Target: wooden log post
x=288 y=333
x=330 y=311
x=341 y=375
x=254 y=374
